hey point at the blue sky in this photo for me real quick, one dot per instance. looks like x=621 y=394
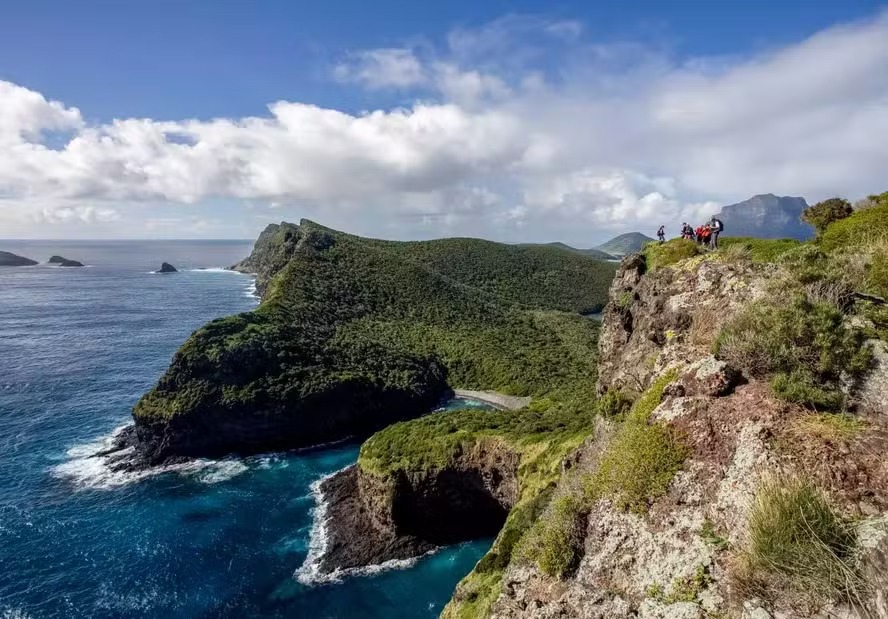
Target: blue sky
x=511 y=120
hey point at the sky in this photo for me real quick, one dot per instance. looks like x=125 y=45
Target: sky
x=516 y=121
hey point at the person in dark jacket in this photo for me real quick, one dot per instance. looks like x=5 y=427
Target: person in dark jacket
x=661 y=234
x=716 y=227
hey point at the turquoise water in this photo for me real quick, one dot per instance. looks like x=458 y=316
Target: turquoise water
x=208 y=539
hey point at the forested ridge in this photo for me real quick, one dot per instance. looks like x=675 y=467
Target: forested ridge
x=348 y=322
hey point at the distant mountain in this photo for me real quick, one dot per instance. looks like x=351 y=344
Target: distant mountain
x=767 y=216
x=596 y=253
x=625 y=244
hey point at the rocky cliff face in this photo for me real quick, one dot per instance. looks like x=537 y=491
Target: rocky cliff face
x=767 y=216
x=273 y=249
x=374 y=519
x=679 y=558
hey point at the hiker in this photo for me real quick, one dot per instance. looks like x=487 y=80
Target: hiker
x=661 y=234
x=686 y=231
x=704 y=234
x=716 y=226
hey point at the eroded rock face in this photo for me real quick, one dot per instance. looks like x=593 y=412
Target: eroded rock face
x=273 y=249
x=374 y=519
x=657 y=320
x=675 y=560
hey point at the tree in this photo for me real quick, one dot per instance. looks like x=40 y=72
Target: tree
x=822 y=214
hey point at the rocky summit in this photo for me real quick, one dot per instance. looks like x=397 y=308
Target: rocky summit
x=767 y=216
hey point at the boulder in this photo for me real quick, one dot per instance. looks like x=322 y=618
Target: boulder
x=11 y=260
x=166 y=267
x=70 y=263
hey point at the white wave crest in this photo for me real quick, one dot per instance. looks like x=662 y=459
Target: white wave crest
x=90 y=471
x=309 y=573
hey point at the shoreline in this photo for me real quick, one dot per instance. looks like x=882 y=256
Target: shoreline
x=500 y=401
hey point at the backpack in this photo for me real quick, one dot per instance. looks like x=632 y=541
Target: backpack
x=719 y=226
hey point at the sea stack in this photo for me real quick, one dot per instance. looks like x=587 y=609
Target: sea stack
x=11 y=260
x=166 y=267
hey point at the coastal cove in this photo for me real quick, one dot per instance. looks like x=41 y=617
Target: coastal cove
x=77 y=539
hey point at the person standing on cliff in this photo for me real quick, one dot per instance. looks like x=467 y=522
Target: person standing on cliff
x=715 y=226
x=661 y=234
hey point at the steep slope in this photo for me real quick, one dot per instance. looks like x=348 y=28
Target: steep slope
x=729 y=465
x=767 y=216
x=354 y=333
x=625 y=244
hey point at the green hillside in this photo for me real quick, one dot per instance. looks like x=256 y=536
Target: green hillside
x=356 y=333
x=591 y=253
x=625 y=244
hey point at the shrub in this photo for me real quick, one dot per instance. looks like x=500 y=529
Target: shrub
x=671 y=252
x=822 y=214
x=561 y=537
x=637 y=467
x=858 y=230
x=642 y=458
x=613 y=404
x=803 y=345
x=795 y=536
x=800 y=387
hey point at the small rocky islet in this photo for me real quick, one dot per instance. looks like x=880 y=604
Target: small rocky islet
x=654 y=449
x=166 y=267
x=64 y=262
x=8 y=259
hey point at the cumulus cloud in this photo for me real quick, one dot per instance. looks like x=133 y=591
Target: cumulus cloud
x=614 y=137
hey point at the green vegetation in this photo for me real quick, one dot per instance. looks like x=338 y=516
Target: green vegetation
x=625 y=244
x=669 y=253
x=822 y=214
x=759 y=250
x=711 y=536
x=860 y=229
x=803 y=346
x=642 y=458
x=352 y=329
x=614 y=404
x=635 y=469
x=797 y=540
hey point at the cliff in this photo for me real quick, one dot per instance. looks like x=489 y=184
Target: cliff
x=739 y=484
x=354 y=334
x=726 y=463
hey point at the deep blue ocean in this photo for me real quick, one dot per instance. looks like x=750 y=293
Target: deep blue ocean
x=208 y=539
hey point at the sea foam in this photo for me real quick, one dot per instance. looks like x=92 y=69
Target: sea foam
x=88 y=470
x=309 y=573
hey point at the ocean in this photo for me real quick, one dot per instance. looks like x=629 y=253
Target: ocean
x=223 y=538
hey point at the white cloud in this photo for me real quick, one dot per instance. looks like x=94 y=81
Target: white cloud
x=520 y=122
x=382 y=68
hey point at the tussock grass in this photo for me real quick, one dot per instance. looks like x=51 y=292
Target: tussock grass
x=755 y=250
x=798 y=542
x=828 y=427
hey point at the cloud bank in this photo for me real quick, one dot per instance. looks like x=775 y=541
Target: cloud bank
x=521 y=129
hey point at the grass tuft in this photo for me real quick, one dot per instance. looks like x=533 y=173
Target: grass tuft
x=796 y=538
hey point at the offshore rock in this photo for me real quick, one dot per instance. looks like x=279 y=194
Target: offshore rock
x=8 y=259
x=166 y=267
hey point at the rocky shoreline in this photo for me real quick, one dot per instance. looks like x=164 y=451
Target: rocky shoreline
x=371 y=520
